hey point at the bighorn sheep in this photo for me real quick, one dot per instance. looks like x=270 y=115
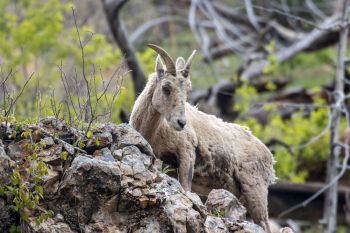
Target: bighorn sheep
x=226 y=155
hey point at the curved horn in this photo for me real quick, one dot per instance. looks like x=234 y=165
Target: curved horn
x=188 y=64
x=169 y=63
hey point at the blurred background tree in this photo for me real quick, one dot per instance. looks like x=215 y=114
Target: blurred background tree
x=36 y=38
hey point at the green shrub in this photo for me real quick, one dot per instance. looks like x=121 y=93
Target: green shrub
x=299 y=154
x=34 y=39
x=25 y=188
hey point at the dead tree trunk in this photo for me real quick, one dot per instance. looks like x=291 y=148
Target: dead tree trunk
x=331 y=201
x=112 y=9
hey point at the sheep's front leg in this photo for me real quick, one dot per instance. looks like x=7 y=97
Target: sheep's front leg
x=186 y=169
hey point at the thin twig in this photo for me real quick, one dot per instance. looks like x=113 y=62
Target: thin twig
x=88 y=102
x=13 y=102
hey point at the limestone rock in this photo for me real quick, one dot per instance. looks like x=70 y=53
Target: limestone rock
x=239 y=226
x=225 y=202
x=114 y=186
x=6 y=220
x=5 y=166
x=47 y=142
x=118 y=154
x=215 y=224
x=52 y=155
x=99 y=140
x=54 y=225
x=223 y=225
x=51 y=123
x=125 y=135
x=102 y=227
x=104 y=154
x=51 y=181
x=286 y=230
x=18 y=151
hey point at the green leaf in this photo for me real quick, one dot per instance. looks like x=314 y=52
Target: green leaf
x=39 y=189
x=50 y=213
x=25 y=216
x=11 y=189
x=89 y=134
x=97 y=142
x=64 y=155
x=38 y=221
x=11 y=119
x=81 y=144
x=15 y=229
x=2 y=191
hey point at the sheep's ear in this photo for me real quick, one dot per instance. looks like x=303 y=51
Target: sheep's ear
x=180 y=63
x=159 y=68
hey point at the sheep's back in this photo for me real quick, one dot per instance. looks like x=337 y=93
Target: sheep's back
x=222 y=147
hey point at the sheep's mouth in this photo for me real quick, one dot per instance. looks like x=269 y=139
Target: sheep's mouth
x=177 y=127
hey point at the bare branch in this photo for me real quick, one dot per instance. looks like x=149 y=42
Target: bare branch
x=88 y=109
x=136 y=35
x=255 y=69
x=331 y=201
x=13 y=102
x=312 y=6
x=251 y=15
x=69 y=99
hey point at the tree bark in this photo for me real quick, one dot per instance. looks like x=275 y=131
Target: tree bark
x=112 y=9
x=331 y=201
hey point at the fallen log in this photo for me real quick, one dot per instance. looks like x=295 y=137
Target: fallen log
x=283 y=196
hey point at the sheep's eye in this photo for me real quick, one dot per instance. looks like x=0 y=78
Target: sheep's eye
x=166 y=89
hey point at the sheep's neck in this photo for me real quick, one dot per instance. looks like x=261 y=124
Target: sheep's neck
x=150 y=123
x=146 y=119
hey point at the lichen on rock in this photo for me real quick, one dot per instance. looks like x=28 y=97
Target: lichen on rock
x=114 y=185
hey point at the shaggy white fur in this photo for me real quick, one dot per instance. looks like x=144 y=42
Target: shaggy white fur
x=207 y=149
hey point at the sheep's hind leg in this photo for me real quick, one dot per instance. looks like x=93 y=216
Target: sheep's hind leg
x=254 y=192
x=256 y=203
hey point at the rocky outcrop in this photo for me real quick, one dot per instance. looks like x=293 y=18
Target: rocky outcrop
x=221 y=200
x=112 y=184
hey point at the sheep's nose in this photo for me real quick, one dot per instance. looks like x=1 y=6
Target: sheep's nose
x=181 y=123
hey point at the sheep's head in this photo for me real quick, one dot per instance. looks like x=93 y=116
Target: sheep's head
x=173 y=85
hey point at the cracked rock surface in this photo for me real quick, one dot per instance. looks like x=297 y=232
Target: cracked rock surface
x=113 y=185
